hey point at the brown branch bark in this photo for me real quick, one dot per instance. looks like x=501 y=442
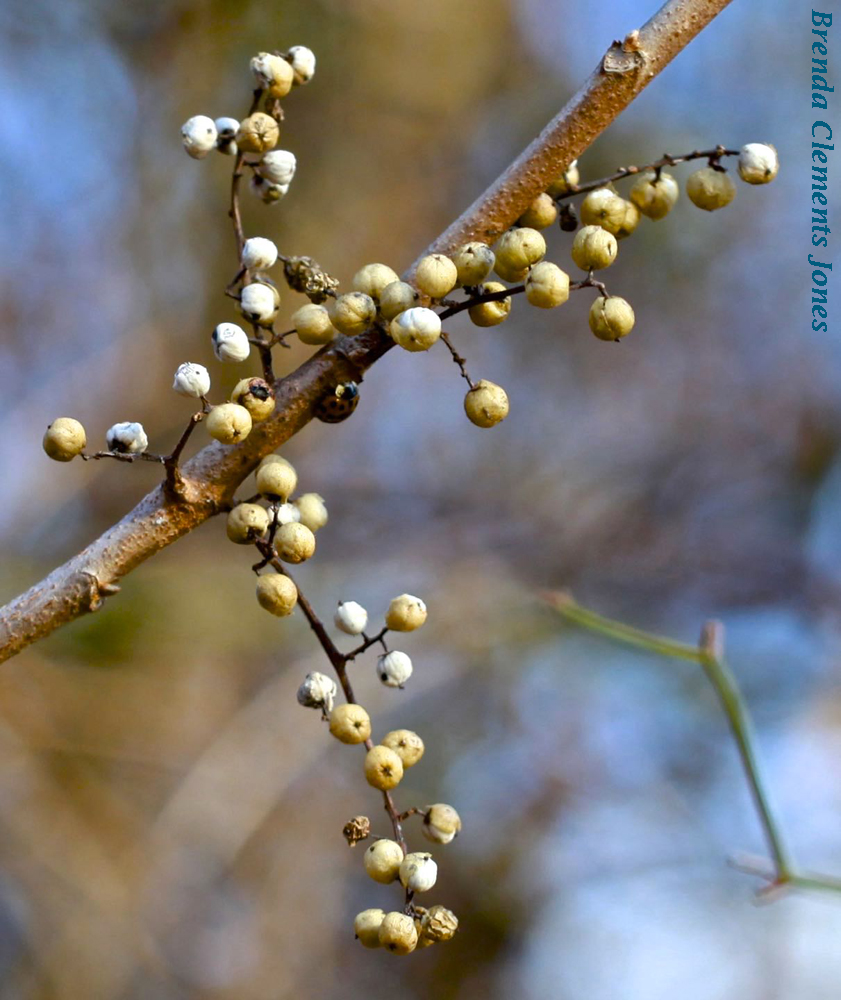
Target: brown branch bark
x=212 y=476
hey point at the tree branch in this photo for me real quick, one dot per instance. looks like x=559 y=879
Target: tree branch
x=211 y=477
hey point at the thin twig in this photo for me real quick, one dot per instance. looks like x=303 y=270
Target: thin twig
x=459 y=360
x=709 y=653
x=372 y=641
x=713 y=155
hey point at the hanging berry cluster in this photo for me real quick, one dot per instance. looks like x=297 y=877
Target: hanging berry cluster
x=412 y=315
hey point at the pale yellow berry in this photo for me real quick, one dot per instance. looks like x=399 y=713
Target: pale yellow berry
x=603 y=207
x=276 y=480
x=436 y=275
x=257 y=133
x=397 y=298
x=547 y=285
x=373 y=278
x=439 y=923
x=295 y=543
x=540 y=214
x=352 y=313
x=520 y=248
x=257 y=396
x=246 y=523
x=710 y=189
x=269 y=459
x=490 y=313
x=655 y=196
x=350 y=724
x=383 y=768
x=405 y=613
x=64 y=439
x=474 y=262
x=312 y=324
x=441 y=824
x=398 y=934
x=228 y=423
x=366 y=927
x=382 y=861
x=313 y=510
x=611 y=317
x=417 y=916
x=277 y=594
x=416 y=329
x=513 y=275
x=407 y=745
x=594 y=248
x=418 y=871
x=486 y=404
x=758 y=163
x=566 y=182
x=273 y=74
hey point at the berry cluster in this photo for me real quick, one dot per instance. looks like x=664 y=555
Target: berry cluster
x=412 y=314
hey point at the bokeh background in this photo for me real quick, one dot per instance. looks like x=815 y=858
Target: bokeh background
x=170 y=819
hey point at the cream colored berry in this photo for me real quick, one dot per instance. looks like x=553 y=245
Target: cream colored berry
x=366 y=927
x=276 y=480
x=418 y=872
x=230 y=342
x=277 y=594
x=594 y=248
x=566 y=182
x=226 y=135
x=382 y=861
x=441 y=823
x=655 y=196
x=127 y=438
x=602 y=207
x=350 y=724
x=191 y=380
x=352 y=313
x=284 y=513
x=520 y=248
x=228 y=423
x=439 y=923
x=372 y=279
x=490 y=313
x=199 y=136
x=394 y=668
x=272 y=458
x=383 y=768
x=474 y=262
x=246 y=523
x=257 y=396
x=295 y=543
x=486 y=404
x=540 y=214
x=257 y=133
x=416 y=329
x=312 y=510
x=758 y=163
x=273 y=74
x=398 y=934
x=278 y=167
x=405 y=613
x=547 y=285
x=397 y=298
x=258 y=253
x=407 y=745
x=611 y=317
x=64 y=439
x=302 y=61
x=268 y=192
x=317 y=691
x=312 y=324
x=436 y=275
x=710 y=189
x=259 y=303
x=350 y=618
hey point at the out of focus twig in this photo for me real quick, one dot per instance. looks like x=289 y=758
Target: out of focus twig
x=709 y=653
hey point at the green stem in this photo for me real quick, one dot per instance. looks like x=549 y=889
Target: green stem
x=709 y=654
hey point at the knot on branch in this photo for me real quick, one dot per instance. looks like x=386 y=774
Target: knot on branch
x=624 y=57
x=94 y=592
